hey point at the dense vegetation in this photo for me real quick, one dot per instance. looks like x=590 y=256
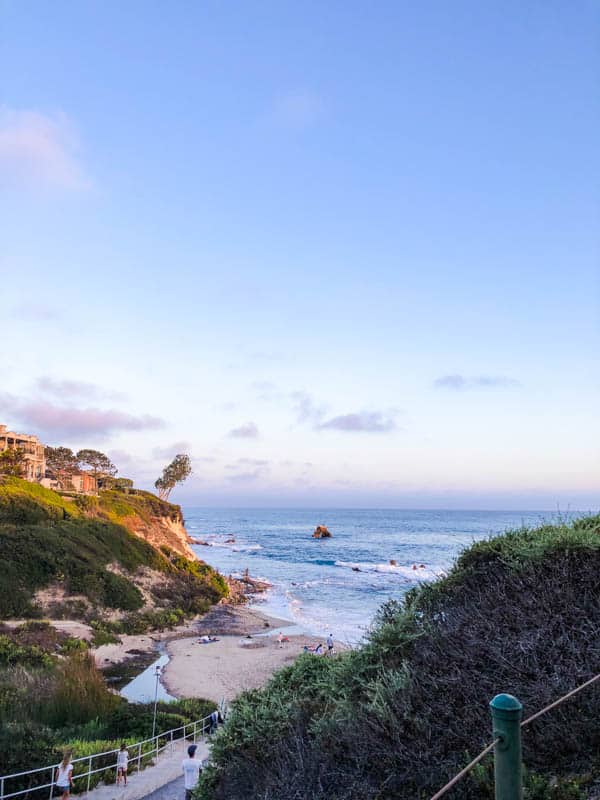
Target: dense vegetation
x=78 y=545
x=401 y=715
x=51 y=694
x=52 y=697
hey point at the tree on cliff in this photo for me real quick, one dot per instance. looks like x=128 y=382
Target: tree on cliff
x=176 y=472
x=12 y=462
x=99 y=464
x=62 y=462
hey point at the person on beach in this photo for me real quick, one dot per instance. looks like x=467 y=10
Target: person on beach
x=64 y=775
x=330 y=650
x=122 y=762
x=318 y=651
x=191 y=767
x=280 y=639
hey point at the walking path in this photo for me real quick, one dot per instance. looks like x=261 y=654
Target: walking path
x=175 y=790
x=156 y=780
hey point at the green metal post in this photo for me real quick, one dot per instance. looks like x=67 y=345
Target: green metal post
x=506 y=719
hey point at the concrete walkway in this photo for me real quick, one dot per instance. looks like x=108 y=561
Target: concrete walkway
x=166 y=772
x=175 y=790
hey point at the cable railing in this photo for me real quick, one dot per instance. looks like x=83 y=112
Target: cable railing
x=507 y=726
x=141 y=755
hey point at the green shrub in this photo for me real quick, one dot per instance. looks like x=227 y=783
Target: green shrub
x=135 y=719
x=86 y=503
x=80 y=693
x=540 y=787
x=25 y=746
x=81 y=748
x=73 y=645
x=12 y=653
x=104 y=633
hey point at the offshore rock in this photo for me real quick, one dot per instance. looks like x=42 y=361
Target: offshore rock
x=321 y=532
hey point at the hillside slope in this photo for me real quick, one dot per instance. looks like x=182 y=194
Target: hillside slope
x=401 y=715
x=84 y=556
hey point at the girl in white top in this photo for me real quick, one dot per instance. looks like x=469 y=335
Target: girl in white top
x=64 y=775
x=122 y=761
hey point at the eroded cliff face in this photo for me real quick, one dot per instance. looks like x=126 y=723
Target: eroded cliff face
x=162 y=531
x=156 y=521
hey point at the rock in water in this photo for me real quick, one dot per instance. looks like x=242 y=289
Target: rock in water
x=321 y=532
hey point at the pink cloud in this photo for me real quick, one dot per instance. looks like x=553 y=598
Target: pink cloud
x=71 y=390
x=39 y=149
x=55 y=421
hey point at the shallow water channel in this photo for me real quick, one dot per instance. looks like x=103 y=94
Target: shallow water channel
x=143 y=687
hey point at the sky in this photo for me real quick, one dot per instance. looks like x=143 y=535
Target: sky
x=342 y=254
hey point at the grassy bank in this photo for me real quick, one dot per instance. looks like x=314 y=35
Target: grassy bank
x=401 y=715
x=79 y=548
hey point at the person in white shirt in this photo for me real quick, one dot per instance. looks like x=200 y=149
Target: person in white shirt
x=64 y=775
x=192 y=767
x=122 y=761
x=330 y=649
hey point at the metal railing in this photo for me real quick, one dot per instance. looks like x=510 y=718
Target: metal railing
x=144 y=753
x=508 y=765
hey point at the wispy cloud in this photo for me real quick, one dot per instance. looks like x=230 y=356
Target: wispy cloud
x=245 y=477
x=247 y=431
x=171 y=450
x=48 y=419
x=306 y=409
x=248 y=462
x=245 y=470
x=74 y=390
x=457 y=382
x=360 y=422
x=40 y=150
x=265 y=390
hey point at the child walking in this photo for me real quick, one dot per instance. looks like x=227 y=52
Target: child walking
x=64 y=775
x=122 y=761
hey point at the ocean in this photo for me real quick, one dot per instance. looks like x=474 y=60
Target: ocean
x=336 y=585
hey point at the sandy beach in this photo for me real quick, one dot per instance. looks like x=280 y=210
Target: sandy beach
x=245 y=656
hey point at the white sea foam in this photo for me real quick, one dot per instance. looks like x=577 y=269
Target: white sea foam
x=421 y=573
x=236 y=548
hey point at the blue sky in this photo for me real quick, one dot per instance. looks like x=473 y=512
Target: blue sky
x=342 y=254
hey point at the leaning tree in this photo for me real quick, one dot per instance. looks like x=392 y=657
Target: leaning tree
x=176 y=472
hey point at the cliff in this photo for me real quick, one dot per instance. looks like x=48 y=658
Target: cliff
x=155 y=521
x=86 y=557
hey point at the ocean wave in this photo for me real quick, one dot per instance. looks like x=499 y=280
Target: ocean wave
x=236 y=548
x=418 y=572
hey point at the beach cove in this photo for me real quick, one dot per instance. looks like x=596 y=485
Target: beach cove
x=245 y=655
